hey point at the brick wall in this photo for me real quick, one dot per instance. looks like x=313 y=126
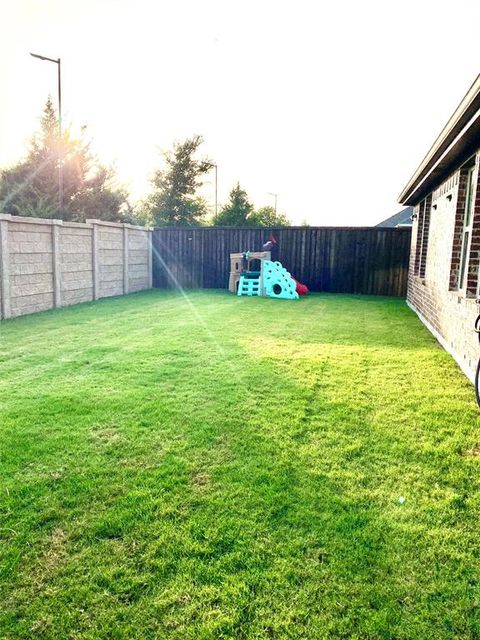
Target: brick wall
x=449 y=313
x=50 y=263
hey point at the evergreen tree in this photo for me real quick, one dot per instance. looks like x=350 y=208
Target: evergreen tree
x=237 y=212
x=173 y=201
x=30 y=188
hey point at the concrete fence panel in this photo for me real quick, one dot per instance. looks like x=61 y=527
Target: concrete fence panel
x=50 y=263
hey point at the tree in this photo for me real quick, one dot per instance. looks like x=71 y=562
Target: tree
x=30 y=188
x=268 y=217
x=173 y=201
x=237 y=212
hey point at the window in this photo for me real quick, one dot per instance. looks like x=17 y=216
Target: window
x=423 y=227
x=465 y=244
x=467 y=225
x=418 y=246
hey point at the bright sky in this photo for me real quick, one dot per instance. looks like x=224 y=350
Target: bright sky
x=331 y=105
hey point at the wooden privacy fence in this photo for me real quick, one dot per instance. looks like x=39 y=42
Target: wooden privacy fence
x=366 y=260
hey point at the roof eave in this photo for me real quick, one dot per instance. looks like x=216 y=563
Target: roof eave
x=449 y=146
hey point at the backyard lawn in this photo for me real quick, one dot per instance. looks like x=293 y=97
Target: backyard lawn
x=209 y=467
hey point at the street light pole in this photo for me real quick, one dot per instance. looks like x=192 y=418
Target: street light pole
x=60 y=160
x=216 y=189
x=275 y=196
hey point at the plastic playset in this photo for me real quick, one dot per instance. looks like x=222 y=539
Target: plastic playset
x=271 y=279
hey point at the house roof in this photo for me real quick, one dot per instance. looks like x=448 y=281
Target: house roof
x=403 y=218
x=459 y=138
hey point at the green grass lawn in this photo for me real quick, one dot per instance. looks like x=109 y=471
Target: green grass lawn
x=232 y=468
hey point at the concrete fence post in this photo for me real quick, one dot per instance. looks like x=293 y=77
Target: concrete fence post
x=56 y=264
x=150 y=256
x=95 y=270
x=125 y=259
x=4 y=268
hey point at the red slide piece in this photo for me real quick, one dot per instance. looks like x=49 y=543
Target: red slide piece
x=301 y=289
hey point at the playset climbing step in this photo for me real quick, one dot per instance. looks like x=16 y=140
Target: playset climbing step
x=250 y=284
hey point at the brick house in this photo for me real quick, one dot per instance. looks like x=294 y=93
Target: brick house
x=444 y=282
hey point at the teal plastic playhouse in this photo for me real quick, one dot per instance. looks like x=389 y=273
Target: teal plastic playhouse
x=272 y=280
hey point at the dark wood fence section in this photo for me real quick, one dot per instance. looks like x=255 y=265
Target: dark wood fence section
x=366 y=260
